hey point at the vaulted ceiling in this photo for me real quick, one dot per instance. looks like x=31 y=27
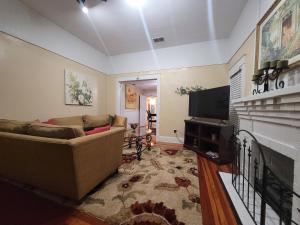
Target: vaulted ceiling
x=114 y=27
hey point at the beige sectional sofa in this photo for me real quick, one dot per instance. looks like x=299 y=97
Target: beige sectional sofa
x=68 y=167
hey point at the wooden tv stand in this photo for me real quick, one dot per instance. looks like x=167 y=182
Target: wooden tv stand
x=203 y=137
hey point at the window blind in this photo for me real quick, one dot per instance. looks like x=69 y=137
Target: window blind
x=235 y=93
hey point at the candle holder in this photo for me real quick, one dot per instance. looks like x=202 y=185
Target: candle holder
x=270 y=71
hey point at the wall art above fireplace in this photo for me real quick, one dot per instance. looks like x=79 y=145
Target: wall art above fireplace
x=278 y=33
x=278 y=39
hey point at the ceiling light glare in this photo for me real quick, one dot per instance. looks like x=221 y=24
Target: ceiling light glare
x=136 y=3
x=85 y=9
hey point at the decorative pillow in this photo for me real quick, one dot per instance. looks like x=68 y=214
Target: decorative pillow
x=95 y=121
x=53 y=131
x=13 y=126
x=98 y=130
x=120 y=121
x=111 y=119
x=50 y=121
x=72 y=120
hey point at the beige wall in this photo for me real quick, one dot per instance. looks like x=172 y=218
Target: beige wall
x=32 y=82
x=173 y=108
x=247 y=50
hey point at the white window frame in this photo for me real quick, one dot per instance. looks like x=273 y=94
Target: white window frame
x=239 y=65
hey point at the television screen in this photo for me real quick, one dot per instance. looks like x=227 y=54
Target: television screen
x=211 y=103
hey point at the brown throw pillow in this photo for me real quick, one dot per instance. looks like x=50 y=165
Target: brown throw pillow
x=66 y=121
x=13 y=126
x=95 y=121
x=119 y=121
x=54 y=131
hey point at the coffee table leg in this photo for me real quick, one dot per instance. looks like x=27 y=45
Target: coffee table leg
x=129 y=142
x=138 y=146
x=148 y=141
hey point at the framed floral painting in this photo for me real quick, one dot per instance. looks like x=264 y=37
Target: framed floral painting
x=278 y=34
x=78 y=89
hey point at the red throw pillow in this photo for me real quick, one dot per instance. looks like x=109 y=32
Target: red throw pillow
x=98 y=130
x=50 y=121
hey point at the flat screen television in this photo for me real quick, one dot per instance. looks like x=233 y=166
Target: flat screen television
x=211 y=103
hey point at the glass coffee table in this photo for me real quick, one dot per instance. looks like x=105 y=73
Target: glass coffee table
x=139 y=137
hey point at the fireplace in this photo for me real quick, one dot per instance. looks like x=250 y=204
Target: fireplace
x=274 y=120
x=280 y=180
x=281 y=165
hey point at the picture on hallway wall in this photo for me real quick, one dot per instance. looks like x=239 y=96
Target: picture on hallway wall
x=131 y=97
x=278 y=34
x=78 y=89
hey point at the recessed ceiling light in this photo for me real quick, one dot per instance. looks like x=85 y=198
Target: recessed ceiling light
x=136 y=3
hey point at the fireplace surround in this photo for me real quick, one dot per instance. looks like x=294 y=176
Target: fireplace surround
x=274 y=119
x=279 y=183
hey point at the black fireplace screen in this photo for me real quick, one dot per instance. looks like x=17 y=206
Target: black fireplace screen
x=263 y=178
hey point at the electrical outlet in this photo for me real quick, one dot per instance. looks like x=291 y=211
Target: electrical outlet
x=175 y=131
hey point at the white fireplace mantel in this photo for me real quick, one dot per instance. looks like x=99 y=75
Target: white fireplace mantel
x=274 y=119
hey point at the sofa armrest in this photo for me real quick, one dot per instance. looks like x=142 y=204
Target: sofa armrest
x=96 y=157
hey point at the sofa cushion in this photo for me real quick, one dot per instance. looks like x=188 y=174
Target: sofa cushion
x=72 y=120
x=120 y=121
x=95 y=121
x=13 y=126
x=54 y=131
x=98 y=130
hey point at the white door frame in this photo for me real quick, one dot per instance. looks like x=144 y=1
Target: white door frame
x=143 y=117
x=135 y=78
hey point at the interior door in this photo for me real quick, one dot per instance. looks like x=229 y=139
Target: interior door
x=143 y=114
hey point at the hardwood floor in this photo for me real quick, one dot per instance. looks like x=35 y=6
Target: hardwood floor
x=216 y=208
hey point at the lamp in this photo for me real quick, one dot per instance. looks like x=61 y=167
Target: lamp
x=152 y=101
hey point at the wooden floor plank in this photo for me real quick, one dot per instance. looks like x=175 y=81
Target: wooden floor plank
x=207 y=214
x=224 y=212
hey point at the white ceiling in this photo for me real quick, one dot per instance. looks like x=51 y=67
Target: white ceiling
x=115 y=27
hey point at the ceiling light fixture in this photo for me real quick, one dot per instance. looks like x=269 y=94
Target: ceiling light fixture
x=85 y=10
x=82 y=6
x=136 y=3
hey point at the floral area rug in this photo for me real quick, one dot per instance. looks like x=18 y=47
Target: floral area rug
x=161 y=189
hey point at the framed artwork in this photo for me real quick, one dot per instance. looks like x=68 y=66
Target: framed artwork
x=277 y=34
x=131 y=97
x=78 y=89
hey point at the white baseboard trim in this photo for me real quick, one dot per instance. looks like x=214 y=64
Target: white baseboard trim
x=169 y=139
